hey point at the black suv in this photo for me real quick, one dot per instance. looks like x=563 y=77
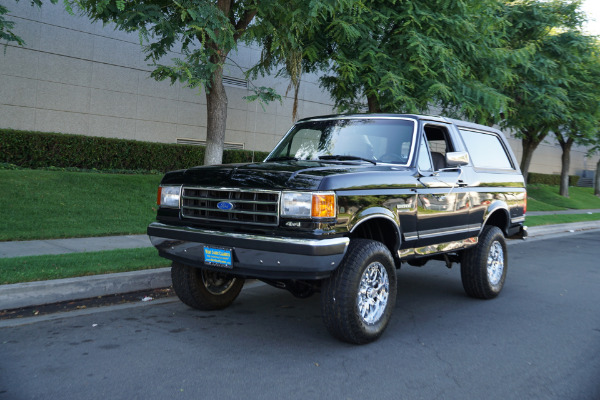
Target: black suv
x=337 y=207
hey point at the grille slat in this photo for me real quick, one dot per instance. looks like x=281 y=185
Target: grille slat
x=249 y=207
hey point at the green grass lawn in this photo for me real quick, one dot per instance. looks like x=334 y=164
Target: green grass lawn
x=536 y=220
x=39 y=268
x=546 y=198
x=40 y=204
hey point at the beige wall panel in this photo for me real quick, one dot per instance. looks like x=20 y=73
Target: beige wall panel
x=109 y=31
x=312 y=109
x=155 y=131
x=113 y=127
x=265 y=123
x=156 y=109
x=237 y=120
x=63 y=97
x=19 y=61
x=245 y=57
x=110 y=77
x=234 y=136
x=191 y=114
x=192 y=95
x=314 y=93
x=28 y=30
x=17 y=91
x=56 y=13
x=61 y=121
x=23 y=9
x=73 y=71
x=113 y=104
x=286 y=106
x=67 y=42
x=282 y=125
x=163 y=89
x=260 y=142
x=14 y=117
x=117 y=52
x=235 y=99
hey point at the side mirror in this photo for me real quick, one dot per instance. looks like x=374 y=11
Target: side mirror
x=457 y=158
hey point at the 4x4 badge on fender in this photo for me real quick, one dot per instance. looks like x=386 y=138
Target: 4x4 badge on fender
x=224 y=205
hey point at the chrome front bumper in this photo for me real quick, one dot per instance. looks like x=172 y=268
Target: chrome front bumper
x=253 y=255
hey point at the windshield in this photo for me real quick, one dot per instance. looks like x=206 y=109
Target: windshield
x=373 y=140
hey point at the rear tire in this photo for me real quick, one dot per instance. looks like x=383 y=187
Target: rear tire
x=483 y=267
x=358 y=299
x=203 y=289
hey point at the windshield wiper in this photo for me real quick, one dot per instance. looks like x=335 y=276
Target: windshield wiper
x=283 y=158
x=340 y=157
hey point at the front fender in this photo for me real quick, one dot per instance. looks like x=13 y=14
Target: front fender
x=382 y=222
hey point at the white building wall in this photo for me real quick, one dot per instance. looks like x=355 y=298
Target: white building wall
x=73 y=76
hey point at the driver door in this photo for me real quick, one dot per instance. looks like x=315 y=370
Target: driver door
x=443 y=198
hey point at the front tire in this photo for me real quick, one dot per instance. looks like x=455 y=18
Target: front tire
x=358 y=299
x=203 y=289
x=483 y=267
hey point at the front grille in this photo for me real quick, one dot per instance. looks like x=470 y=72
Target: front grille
x=257 y=207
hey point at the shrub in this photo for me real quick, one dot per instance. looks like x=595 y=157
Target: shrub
x=550 y=179
x=42 y=150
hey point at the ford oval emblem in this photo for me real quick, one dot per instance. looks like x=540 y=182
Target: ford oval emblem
x=224 y=205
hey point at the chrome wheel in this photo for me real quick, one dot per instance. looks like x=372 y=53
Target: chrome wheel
x=217 y=283
x=373 y=293
x=495 y=263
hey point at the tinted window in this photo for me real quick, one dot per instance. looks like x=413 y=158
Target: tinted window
x=486 y=150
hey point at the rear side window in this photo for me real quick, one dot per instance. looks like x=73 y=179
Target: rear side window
x=486 y=150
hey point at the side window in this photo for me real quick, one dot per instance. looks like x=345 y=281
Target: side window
x=439 y=144
x=424 y=163
x=486 y=150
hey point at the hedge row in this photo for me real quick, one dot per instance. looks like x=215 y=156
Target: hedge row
x=41 y=150
x=549 y=179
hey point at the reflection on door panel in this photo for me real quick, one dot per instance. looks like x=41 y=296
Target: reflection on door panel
x=443 y=209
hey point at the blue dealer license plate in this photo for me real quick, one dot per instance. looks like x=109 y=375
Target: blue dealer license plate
x=218 y=257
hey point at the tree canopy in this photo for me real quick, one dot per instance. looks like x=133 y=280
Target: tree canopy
x=537 y=92
x=578 y=58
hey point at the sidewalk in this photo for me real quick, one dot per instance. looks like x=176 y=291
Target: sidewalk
x=46 y=292
x=77 y=245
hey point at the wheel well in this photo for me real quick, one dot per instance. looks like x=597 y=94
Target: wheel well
x=498 y=218
x=380 y=229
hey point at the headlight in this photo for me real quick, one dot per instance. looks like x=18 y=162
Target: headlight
x=168 y=196
x=307 y=205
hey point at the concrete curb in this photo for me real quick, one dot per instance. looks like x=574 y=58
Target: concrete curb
x=28 y=294
x=545 y=230
x=46 y=292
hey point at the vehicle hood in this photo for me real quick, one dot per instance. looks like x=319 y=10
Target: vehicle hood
x=293 y=175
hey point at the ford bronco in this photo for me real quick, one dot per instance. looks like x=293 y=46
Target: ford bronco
x=336 y=208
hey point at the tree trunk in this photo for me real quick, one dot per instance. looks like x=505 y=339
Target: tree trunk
x=530 y=141
x=216 y=105
x=373 y=104
x=597 y=180
x=566 y=164
x=528 y=149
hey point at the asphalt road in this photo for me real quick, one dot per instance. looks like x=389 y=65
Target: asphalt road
x=540 y=339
